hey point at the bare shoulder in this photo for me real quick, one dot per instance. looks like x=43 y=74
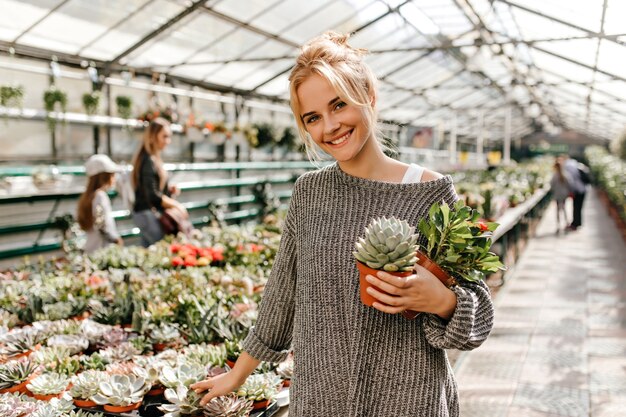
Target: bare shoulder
x=429 y=175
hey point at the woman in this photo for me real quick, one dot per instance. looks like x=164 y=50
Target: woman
x=349 y=359
x=94 y=206
x=153 y=195
x=561 y=189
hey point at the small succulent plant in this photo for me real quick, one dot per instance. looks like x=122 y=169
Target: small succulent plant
x=15 y=372
x=228 y=406
x=184 y=402
x=389 y=245
x=183 y=374
x=95 y=361
x=164 y=333
x=260 y=387
x=74 y=343
x=47 y=384
x=87 y=384
x=285 y=369
x=121 y=353
x=205 y=355
x=20 y=341
x=121 y=390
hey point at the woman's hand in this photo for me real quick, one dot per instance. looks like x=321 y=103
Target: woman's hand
x=217 y=386
x=174 y=191
x=419 y=292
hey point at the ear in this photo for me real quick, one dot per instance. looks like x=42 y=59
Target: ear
x=373 y=100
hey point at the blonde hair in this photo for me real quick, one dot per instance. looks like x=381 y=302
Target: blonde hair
x=149 y=146
x=331 y=57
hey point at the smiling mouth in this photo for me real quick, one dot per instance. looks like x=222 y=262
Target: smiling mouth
x=340 y=140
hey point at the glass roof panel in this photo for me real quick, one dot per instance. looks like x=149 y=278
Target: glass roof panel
x=17 y=16
x=277 y=87
x=583 y=13
x=446 y=15
x=560 y=66
x=258 y=73
x=537 y=27
x=134 y=29
x=614 y=19
x=245 y=14
x=612 y=58
x=582 y=50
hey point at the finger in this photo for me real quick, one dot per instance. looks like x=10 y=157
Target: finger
x=201 y=386
x=208 y=397
x=399 y=282
x=383 y=285
x=384 y=298
x=388 y=309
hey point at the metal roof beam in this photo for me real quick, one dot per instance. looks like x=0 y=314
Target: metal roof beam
x=595 y=64
x=189 y=10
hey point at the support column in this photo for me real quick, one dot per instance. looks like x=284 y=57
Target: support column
x=507 y=137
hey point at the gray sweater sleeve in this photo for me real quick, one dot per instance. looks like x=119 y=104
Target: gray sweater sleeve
x=270 y=339
x=103 y=214
x=470 y=324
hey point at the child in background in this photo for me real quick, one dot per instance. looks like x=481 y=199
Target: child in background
x=94 y=206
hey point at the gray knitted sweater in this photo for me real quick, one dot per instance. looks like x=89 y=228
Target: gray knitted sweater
x=352 y=360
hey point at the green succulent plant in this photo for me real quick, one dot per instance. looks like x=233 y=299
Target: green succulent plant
x=205 y=355
x=183 y=402
x=121 y=390
x=95 y=361
x=389 y=245
x=228 y=406
x=87 y=384
x=19 y=342
x=15 y=372
x=260 y=387
x=47 y=384
x=183 y=374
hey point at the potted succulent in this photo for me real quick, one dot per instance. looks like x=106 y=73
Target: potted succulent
x=183 y=402
x=121 y=393
x=228 y=406
x=389 y=245
x=85 y=385
x=205 y=355
x=15 y=375
x=48 y=386
x=20 y=343
x=183 y=374
x=73 y=343
x=260 y=388
x=457 y=244
x=164 y=336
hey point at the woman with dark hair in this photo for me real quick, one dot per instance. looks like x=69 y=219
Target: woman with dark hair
x=153 y=194
x=94 y=206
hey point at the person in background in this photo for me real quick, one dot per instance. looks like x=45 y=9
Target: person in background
x=94 y=206
x=560 y=188
x=153 y=194
x=578 y=189
x=351 y=360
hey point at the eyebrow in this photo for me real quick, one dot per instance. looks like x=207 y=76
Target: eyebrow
x=330 y=103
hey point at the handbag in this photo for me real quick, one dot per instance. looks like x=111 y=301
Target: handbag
x=173 y=221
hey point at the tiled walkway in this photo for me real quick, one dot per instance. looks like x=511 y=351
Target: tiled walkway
x=558 y=347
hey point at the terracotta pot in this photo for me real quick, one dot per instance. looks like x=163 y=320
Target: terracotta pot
x=425 y=262
x=286 y=383
x=230 y=363
x=121 y=409
x=257 y=405
x=156 y=391
x=84 y=403
x=46 y=397
x=21 y=388
x=159 y=347
x=365 y=270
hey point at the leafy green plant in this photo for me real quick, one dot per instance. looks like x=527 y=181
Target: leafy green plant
x=51 y=97
x=458 y=242
x=91 y=102
x=388 y=245
x=124 y=106
x=11 y=95
x=266 y=135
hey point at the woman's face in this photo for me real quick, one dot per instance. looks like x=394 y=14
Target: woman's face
x=337 y=127
x=164 y=138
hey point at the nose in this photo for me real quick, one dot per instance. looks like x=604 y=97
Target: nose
x=331 y=124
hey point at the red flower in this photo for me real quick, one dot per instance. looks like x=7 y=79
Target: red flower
x=482 y=226
x=191 y=261
x=217 y=254
x=177 y=261
x=175 y=247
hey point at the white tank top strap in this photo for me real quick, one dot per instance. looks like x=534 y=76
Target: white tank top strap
x=413 y=174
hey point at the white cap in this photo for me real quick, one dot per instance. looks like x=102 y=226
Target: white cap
x=99 y=163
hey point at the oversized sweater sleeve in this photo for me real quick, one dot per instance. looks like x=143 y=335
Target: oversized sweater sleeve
x=270 y=339
x=470 y=324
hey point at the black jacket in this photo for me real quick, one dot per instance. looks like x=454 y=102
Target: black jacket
x=147 y=193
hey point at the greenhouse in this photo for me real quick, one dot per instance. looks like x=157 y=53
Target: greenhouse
x=359 y=208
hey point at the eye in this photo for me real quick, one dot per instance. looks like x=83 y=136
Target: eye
x=340 y=105
x=312 y=119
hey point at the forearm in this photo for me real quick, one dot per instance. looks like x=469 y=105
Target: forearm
x=169 y=202
x=244 y=366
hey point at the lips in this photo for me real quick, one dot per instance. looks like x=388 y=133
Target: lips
x=340 y=140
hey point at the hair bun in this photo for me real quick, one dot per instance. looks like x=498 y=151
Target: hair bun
x=339 y=40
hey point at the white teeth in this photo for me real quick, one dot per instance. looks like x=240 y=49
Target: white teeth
x=341 y=139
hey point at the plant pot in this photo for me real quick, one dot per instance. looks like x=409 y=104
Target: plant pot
x=425 y=262
x=159 y=347
x=84 y=403
x=230 y=363
x=365 y=270
x=21 y=388
x=156 y=391
x=258 y=405
x=46 y=397
x=286 y=383
x=121 y=408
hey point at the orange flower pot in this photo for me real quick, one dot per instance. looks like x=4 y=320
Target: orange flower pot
x=21 y=388
x=46 y=397
x=155 y=391
x=286 y=383
x=258 y=405
x=230 y=363
x=365 y=270
x=121 y=409
x=425 y=262
x=84 y=403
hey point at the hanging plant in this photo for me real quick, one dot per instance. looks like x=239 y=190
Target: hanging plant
x=266 y=135
x=51 y=97
x=124 y=106
x=251 y=134
x=289 y=139
x=11 y=96
x=91 y=102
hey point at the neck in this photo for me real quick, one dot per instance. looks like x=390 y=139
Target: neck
x=371 y=163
